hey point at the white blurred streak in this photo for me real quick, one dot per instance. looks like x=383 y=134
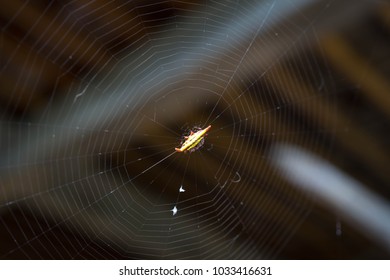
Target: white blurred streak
x=363 y=209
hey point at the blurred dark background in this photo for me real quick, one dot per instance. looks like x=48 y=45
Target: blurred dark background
x=321 y=81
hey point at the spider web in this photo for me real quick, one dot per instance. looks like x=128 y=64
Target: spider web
x=92 y=173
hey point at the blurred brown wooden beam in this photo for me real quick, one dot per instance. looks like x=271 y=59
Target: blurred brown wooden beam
x=115 y=27
x=356 y=68
x=59 y=40
x=28 y=77
x=384 y=13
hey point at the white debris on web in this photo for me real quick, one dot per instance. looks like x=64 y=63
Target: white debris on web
x=174 y=211
x=237 y=178
x=79 y=94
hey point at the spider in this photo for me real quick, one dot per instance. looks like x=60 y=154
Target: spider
x=193 y=141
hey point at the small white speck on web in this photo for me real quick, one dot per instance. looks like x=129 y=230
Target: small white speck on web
x=182 y=189
x=174 y=211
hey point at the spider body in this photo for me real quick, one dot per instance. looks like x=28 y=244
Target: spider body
x=193 y=141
